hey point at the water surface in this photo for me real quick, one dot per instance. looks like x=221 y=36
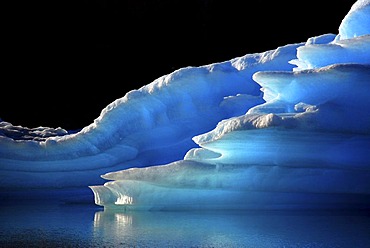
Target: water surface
x=90 y=226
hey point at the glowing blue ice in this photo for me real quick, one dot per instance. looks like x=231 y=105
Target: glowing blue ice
x=287 y=128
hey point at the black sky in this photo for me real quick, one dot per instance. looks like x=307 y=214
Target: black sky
x=66 y=60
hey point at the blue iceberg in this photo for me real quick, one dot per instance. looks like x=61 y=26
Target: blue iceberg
x=282 y=129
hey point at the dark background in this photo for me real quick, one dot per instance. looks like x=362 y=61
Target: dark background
x=63 y=62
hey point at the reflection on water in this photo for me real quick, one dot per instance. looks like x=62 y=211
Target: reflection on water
x=91 y=226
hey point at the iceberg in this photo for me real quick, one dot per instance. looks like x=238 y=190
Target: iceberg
x=287 y=128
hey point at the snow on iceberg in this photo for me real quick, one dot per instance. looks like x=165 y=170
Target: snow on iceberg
x=149 y=126
x=286 y=128
x=306 y=147
x=304 y=157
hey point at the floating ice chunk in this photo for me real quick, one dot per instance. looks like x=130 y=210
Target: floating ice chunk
x=286 y=128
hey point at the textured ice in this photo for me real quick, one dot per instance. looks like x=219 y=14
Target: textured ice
x=286 y=128
x=149 y=126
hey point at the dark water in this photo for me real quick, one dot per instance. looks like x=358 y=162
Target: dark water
x=91 y=226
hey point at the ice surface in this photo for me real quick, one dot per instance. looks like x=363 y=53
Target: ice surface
x=287 y=128
x=149 y=126
x=356 y=22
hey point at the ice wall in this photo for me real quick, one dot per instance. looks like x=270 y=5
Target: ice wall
x=149 y=126
x=286 y=128
x=306 y=147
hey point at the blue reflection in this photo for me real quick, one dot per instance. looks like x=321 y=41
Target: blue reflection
x=91 y=226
